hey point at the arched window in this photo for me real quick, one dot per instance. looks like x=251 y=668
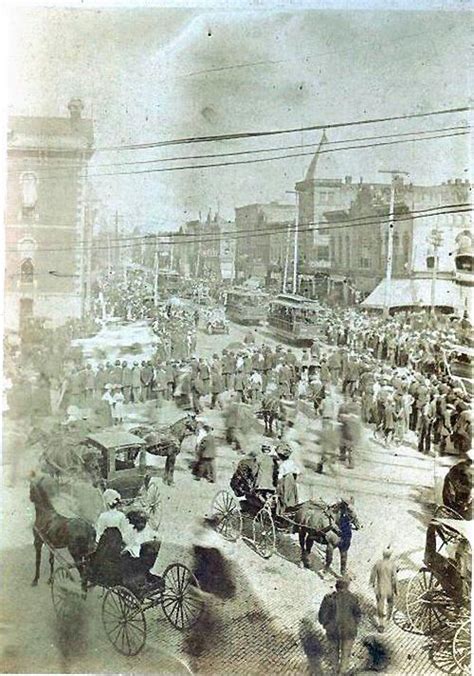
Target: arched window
x=29 y=193
x=27 y=271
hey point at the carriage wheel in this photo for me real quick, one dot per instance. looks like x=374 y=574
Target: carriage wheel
x=181 y=599
x=264 y=533
x=427 y=604
x=124 y=621
x=66 y=591
x=225 y=512
x=462 y=647
x=154 y=506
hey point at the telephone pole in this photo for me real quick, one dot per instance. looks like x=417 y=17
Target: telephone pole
x=157 y=273
x=435 y=239
x=295 y=243
x=395 y=174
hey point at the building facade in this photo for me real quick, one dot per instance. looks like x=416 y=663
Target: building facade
x=48 y=227
x=269 y=250
x=343 y=229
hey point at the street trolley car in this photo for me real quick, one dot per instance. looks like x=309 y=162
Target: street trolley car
x=246 y=306
x=438 y=595
x=294 y=319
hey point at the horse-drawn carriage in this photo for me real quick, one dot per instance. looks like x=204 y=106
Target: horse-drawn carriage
x=255 y=498
x=129 y=591
x=216 y=321
x=438 y=595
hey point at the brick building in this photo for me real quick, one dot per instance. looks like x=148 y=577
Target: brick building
x=47 y=223
x=343 y=230
x=197 y=249
x=258 y=256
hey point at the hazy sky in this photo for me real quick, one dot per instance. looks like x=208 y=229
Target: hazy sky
x=158 y=74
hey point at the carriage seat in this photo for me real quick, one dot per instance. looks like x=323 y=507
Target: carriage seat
x=106 y=562
x=110 y=566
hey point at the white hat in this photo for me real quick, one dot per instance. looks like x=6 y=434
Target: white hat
x=111 y=497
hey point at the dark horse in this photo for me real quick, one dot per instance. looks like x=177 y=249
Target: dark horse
x=327 y=525
x=57 y=531
x=271 y=411
x=167 y=441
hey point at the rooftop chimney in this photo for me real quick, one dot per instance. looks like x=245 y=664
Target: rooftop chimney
x=75 y=107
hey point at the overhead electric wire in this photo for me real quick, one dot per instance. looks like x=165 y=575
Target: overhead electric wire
x=309 y=227
x=150 y=238
x=258 y=160
x=292 y=130
x=254 y=151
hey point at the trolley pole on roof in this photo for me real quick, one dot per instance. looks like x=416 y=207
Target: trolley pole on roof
x=395 y=174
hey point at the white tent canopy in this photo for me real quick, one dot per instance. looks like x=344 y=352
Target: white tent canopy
x=414 y=292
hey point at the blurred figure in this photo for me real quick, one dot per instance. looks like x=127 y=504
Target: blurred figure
x=383 y=579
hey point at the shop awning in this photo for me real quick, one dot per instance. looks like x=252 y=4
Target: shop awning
x=406 y=293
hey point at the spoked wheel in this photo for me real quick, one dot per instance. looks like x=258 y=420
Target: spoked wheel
x=154 y=506
x=225 y=513
x=462 y=647
x=124 y=621
x=181 y=599
x=428 y=607
x=66 y=591
x=264 y=536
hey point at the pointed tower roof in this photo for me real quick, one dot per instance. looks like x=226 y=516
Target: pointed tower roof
x=310 y=174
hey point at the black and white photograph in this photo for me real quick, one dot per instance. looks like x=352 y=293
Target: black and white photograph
x=237 y=338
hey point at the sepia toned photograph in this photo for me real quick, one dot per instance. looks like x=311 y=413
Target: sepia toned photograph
x=237 y=338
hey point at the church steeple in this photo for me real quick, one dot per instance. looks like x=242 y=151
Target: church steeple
x=314 y=162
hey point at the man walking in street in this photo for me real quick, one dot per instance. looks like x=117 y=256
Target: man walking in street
x=383 y=579
x=340 y=616
x=205 y=467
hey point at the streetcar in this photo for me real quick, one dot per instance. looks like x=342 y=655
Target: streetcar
x=246 y=306
x=294 y=319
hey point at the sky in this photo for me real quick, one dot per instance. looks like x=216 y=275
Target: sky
x=164 y=73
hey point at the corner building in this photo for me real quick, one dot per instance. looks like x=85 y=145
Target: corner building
x=45 y=222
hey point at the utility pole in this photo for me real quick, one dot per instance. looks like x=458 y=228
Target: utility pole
x=435 y=239
x=395 y=173
x=157 y=272
x=287 y=257
x=295 y=243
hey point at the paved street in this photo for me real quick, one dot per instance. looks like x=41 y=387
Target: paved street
x=264 y=620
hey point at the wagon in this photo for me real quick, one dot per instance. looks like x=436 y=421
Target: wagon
x=438 y=595
x=121 y=459
x=124 y=606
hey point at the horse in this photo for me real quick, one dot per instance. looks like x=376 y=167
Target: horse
x=271 y=411
x=57 y=531
x=327 y=525
x=167 y=441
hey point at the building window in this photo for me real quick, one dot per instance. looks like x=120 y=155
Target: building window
x=348 y=251
x=430 y=262
x=27 y=271
x=364 y=263
x=29 y=193
x=322 y=253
